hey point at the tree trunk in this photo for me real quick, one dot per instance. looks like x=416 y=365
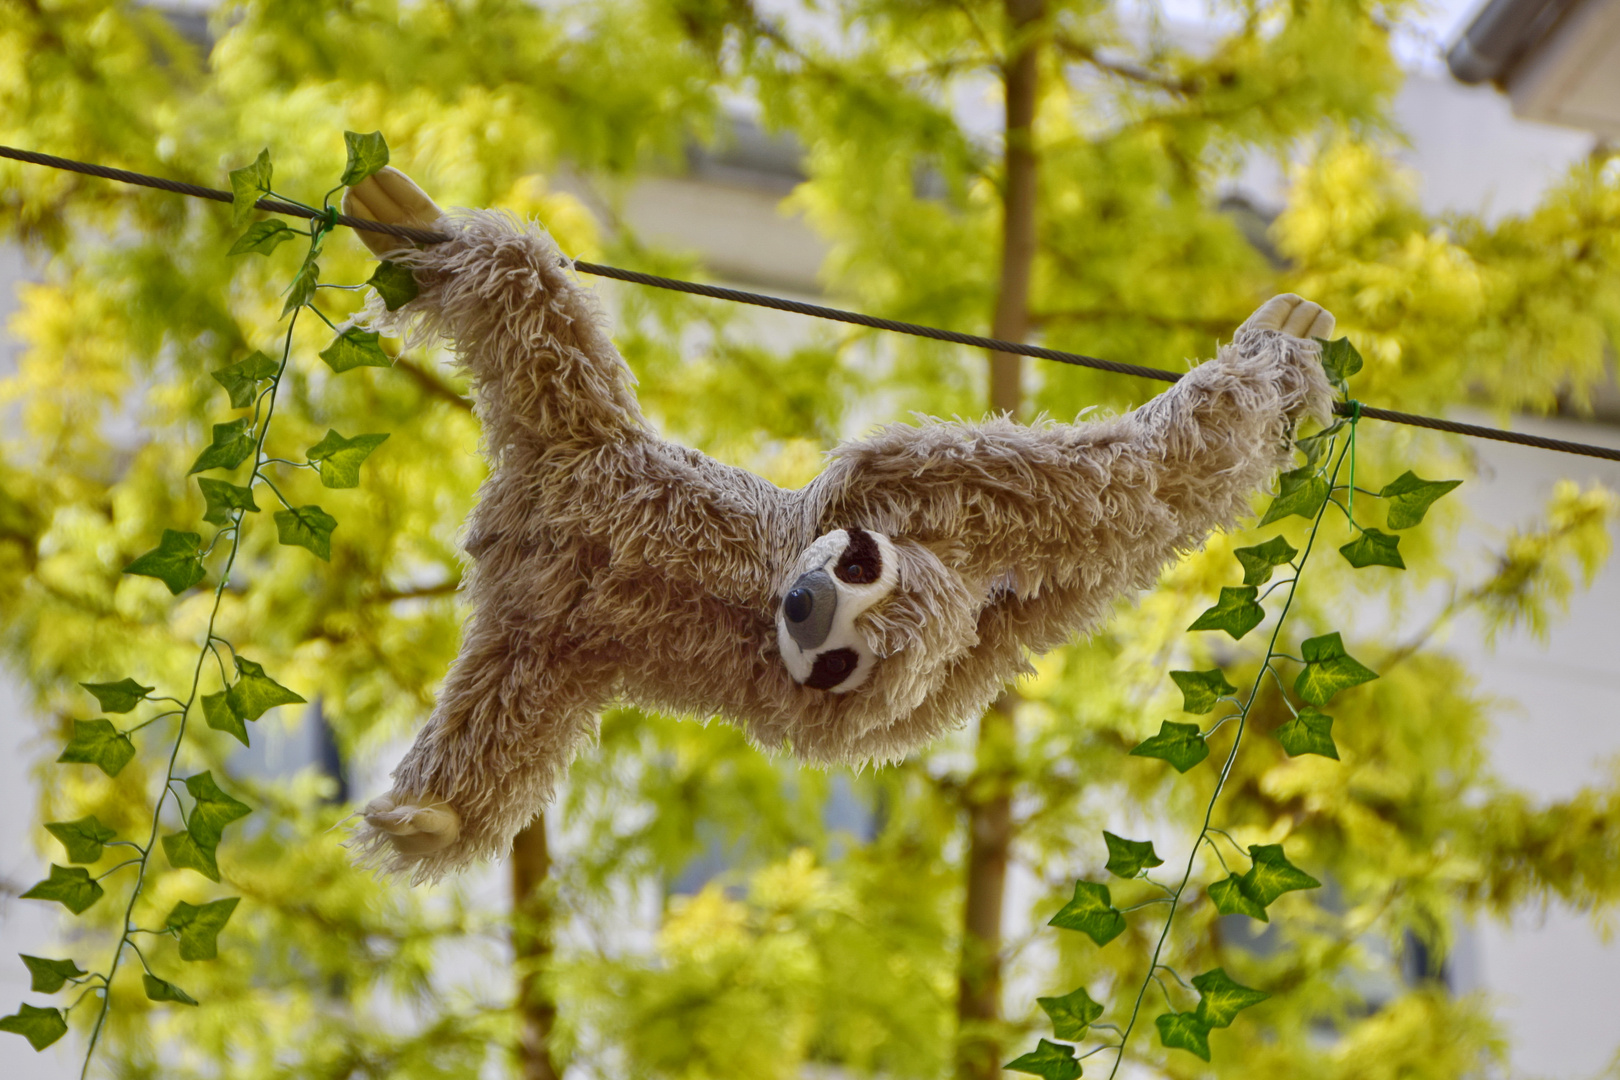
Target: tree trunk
x=531 y=951
x=989 y=792
x=989 y=822
x=1021 y=76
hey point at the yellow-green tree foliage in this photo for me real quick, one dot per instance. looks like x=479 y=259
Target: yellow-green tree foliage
x=819 y=943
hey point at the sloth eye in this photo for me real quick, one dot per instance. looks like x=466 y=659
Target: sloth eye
x=862 y=561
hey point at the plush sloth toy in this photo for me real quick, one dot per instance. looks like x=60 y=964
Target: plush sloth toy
x=851 y=620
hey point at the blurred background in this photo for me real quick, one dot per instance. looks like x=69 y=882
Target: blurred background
x=1446 y=180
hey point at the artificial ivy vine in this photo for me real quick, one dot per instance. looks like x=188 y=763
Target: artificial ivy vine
x=245 y=692
x=1262 y=872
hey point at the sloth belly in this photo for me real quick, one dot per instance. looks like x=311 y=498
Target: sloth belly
x=672 y=644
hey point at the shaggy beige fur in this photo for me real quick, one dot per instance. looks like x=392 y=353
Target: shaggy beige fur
x=608 y=563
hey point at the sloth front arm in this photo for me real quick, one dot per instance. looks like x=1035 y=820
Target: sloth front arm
x=1053 y=522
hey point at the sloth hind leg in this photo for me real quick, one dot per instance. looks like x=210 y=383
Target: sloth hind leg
x=515 y=708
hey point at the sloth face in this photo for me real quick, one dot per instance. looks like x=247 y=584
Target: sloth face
x=841 y=575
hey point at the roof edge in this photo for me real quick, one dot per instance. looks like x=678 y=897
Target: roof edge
x=1500 y=35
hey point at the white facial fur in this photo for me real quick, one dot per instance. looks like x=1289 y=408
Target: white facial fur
x=831 y=556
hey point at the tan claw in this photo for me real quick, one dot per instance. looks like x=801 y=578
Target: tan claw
x=415 y=828
x=1293 y=315
x=391 y=197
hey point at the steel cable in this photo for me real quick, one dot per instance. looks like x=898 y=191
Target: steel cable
x=815 y=311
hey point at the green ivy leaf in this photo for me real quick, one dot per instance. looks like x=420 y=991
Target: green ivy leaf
x=1272 y=875
x=1300 y=493
x=199 y=927
x=302 y=290
x=1220 y=999
x=118 y=697
x=222 y=498
x=1373 y=547
x=1410 y=497
x=241 y=379
x=1230 y=899
x=40 y=1027
x=1048 y=1060
x=162 y=990
x=1071 y=1014
x=340 y=458
x=1182 y=745
x=1340 y=360
x=1184 y=1031
x=98 y=743
x=1127 y=858
x=232 y=445
x=1201 y=691
x=176 y=561
x=396 y=284
x=1328 y=669
x=1311 y=732
x=49 y=976
x=70 y=886
x=1091 y=912
x=83 y=838
x=1314 y=446
x=1259 y=561
x=262 y=237
x=220 y=716
x=214 y=809
x=211 y=811
x=367 y=154
x=307 y=527
x=256 y=693
x=247 y=184
x=1236 y=612
x=355 y=348
x=186 y=854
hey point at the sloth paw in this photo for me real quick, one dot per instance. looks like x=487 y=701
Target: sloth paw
x=391 y=197
x=1292 y=315
x=416 y=827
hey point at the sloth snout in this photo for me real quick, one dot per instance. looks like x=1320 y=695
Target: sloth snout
x=809 y=607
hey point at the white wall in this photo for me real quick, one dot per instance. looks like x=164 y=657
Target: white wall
x=25 y=925
x=1554 y=980
x=1552 y=977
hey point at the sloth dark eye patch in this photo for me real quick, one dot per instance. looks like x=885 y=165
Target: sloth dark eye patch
x=832 y=667
x=862 y=561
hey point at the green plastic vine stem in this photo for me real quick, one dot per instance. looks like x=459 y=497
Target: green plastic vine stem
x=1355 y=418
x=264 y=405
x=1242 y=717
x=208 y=647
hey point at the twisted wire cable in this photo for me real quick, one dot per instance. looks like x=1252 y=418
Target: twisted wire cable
x=815 y=311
